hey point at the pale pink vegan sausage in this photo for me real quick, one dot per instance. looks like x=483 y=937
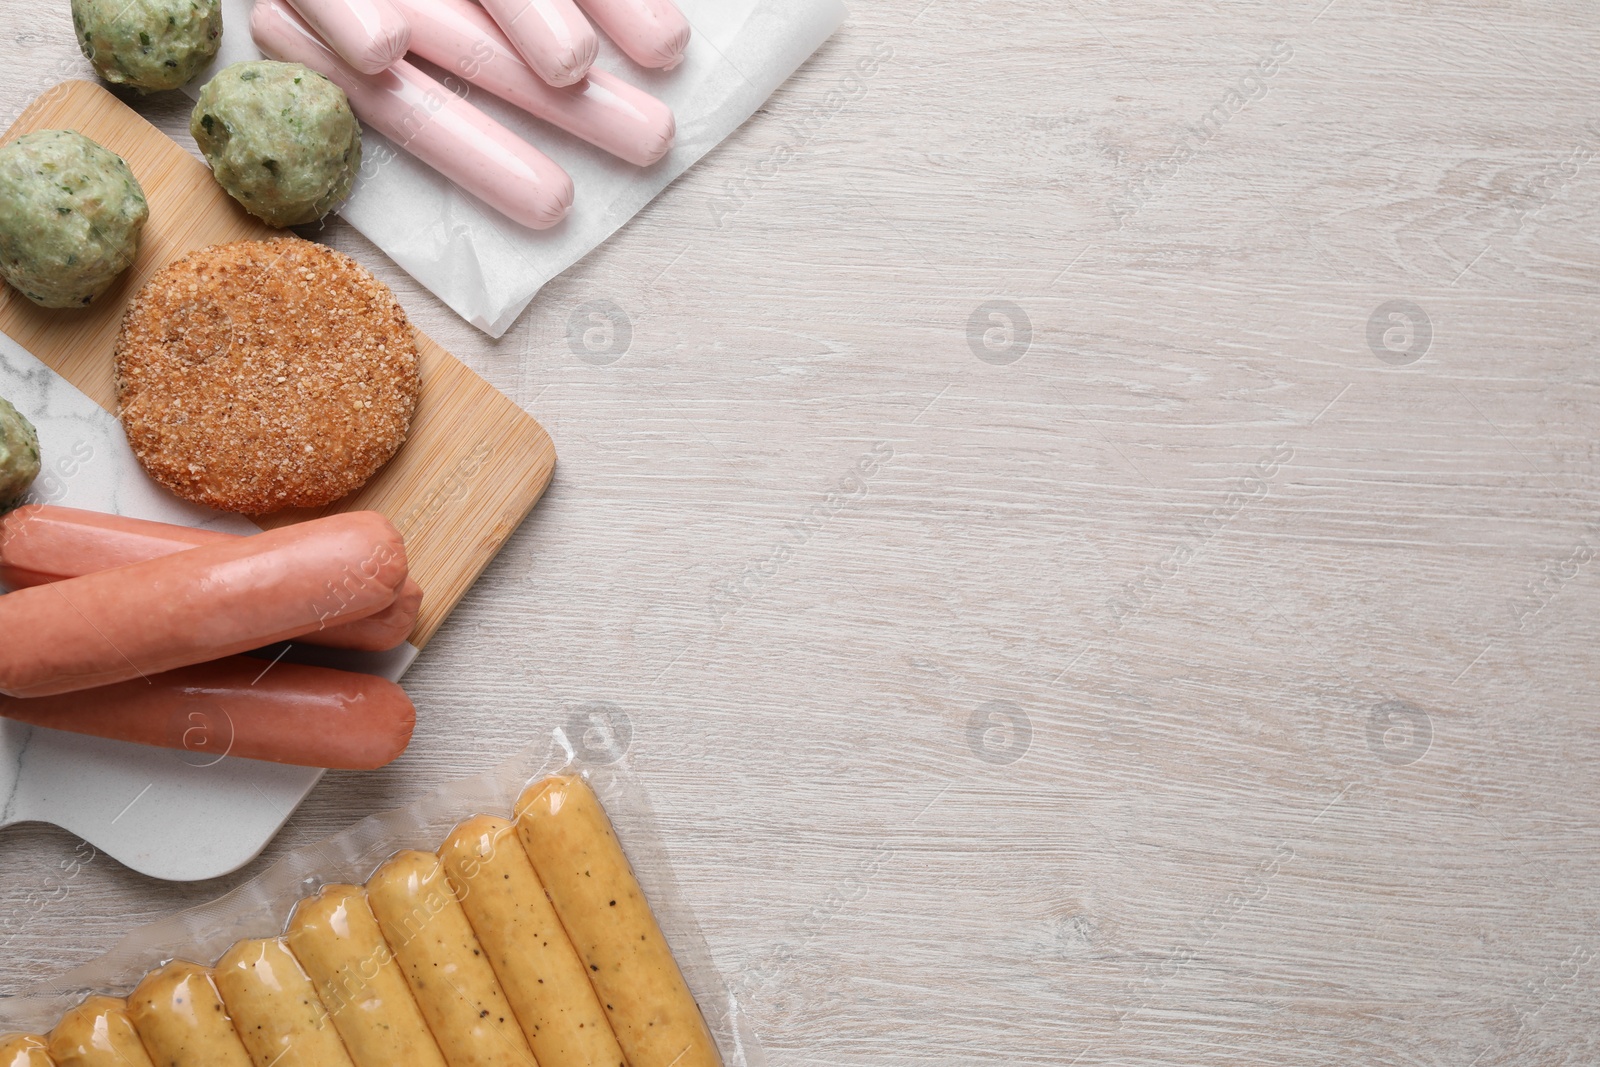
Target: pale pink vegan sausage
x=430 y=122
x=370 y=35
x=243 y=707
x=208 y=602
x=42 y=543
x=653 y=33
x=552 y=35
x=601 y=109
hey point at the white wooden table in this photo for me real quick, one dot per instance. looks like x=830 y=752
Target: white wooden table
x=1203 y=670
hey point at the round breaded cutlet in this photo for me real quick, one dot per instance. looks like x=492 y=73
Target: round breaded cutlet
x=262 y=375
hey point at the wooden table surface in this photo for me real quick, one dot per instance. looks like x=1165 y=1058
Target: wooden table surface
x=1091 y=526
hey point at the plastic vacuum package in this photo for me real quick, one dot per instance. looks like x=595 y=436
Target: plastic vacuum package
x=310 y=898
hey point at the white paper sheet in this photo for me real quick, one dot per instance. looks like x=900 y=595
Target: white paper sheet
x=488 y=268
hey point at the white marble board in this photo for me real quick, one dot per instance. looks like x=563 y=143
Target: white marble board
x=168 y=813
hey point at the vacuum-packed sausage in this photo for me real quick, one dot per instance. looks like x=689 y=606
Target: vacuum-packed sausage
x=212 y=601
x=531 y=955
x=98 y=1033
x=337 y=941
x=653 y=33
x=275 y=1008
x=370 y=35
x=429 y=121
x=181 y=1020
x=552 y=36
x=443 y=963
x=243 y=707
x=24 y=1050
x=576 y=853
x=602 y=109
x=43 y=543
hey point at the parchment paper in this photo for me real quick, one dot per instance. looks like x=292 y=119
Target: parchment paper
x=488 y=268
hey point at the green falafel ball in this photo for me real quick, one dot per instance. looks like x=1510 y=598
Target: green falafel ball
x=19 y=455
x=70 y=217
x=280 y=138
x=148 y=44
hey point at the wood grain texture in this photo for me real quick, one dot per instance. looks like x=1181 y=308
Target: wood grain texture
x=474 y=464
x=1218 y=843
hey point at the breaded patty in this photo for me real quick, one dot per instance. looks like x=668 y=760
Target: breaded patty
x=262 y=375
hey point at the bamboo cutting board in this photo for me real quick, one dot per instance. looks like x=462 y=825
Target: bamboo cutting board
x=474 y=464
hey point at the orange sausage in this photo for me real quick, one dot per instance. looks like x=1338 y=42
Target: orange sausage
x=42 y=543
x=244 y=707
x=208 y=602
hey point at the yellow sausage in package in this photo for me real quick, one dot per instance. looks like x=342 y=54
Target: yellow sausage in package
x=496 y=923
